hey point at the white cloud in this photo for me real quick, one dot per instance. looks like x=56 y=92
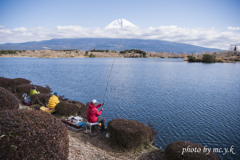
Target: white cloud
x=21 y=29
x=210 y=38
x=233 y=28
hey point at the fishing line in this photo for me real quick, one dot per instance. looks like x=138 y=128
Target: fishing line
x=108 y=80
x=111 y=71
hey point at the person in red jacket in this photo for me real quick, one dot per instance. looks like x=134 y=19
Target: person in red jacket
x=93 y=113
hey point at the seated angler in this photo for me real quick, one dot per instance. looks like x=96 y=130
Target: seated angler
x=34 y=91
x=93 y=113
x=53 y=101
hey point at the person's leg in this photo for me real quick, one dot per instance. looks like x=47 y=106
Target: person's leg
x=101 y=120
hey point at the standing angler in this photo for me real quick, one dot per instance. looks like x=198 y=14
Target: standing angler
x=92 y=114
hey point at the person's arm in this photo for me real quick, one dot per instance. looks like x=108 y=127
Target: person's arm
x=56 y=101
x=98 y=113
x=99 y=105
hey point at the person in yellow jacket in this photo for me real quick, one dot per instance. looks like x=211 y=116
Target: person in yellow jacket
x=53 y=101
x=34 y=91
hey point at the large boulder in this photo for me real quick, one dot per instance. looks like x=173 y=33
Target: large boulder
x=8 y=100
x=26 y=88
x=32 y=134
x=188 y=151
x=129 y=133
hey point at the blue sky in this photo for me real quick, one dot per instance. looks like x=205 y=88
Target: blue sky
x=208 y=15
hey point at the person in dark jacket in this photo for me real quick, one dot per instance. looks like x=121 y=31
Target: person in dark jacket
x=93 y=113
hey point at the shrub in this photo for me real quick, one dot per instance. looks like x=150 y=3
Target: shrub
x=32 y=134
x=198 y=60
x=129 y=133
x=4 y=82
x=219 y=60
x=67 y=109
x=92 y=56
x=153 y=132
x=8 y=100
x=18 y=81
x=82 y=107
x=62 y=98
x=41 y=99
x=175 y=151
x=12 y=83
x=207 y=58
x=26 y=88
x=191 y=59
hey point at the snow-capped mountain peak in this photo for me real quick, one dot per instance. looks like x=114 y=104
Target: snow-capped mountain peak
x=119 y=23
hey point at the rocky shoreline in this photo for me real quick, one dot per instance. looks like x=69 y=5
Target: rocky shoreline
x=84 y=146
x=81 y=145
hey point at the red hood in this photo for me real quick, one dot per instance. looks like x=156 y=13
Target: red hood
x=91 y=105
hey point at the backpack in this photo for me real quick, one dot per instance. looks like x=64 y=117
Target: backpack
x=26 y=100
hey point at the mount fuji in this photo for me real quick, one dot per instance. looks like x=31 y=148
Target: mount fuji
x=108 y=43
x=119 y=23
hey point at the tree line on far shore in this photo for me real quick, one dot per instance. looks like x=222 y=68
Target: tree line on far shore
x=222 y=56
x=11 y=51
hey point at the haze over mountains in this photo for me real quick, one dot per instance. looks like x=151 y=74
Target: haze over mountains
x=116 y=44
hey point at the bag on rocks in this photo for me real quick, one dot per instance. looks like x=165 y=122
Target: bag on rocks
x=26 y=100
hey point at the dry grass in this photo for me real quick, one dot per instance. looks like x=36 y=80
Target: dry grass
x=153 y=155
x=84 y=146
x=79 y=53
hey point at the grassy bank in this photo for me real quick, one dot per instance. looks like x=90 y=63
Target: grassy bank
x=92 y=53
x=221 y=57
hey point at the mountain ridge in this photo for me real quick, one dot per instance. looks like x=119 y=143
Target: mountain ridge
x=107 y=43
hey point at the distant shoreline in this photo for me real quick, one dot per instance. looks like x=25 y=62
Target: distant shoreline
x=221 y=57
x=86 y=54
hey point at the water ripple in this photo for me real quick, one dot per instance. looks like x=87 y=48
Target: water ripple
x=185 y=101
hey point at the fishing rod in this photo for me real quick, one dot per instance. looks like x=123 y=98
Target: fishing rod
x=111 y=72
x=108 y=80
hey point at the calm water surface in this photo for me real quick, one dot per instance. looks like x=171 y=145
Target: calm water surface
x=193 y=102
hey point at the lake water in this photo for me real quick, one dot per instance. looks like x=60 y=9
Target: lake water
x=193 y=102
